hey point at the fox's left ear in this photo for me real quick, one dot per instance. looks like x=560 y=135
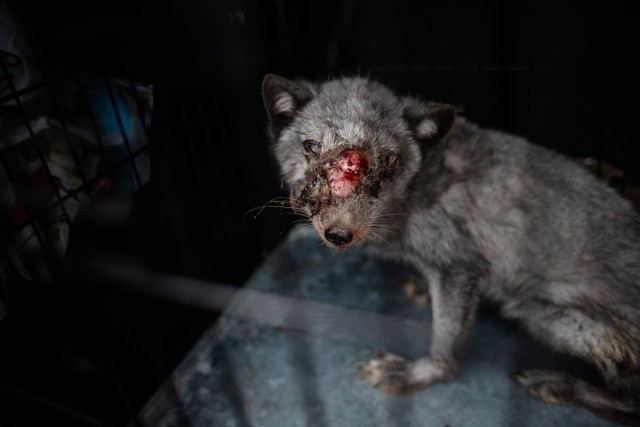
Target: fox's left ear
x=282 y=99
x=430 y=121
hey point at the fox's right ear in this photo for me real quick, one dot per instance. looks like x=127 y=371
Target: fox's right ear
x=282 y=99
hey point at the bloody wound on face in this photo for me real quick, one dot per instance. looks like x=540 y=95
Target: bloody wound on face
x=345 y=172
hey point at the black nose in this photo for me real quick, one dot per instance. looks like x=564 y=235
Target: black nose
x=338 y=237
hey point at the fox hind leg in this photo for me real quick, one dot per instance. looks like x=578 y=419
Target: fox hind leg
x=560 y=388
x=608 y=342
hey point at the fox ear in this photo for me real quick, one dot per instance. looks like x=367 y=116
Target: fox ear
x=430 y=121
x=282 y=99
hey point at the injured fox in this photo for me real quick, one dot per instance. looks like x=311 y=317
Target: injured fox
x=480 y=214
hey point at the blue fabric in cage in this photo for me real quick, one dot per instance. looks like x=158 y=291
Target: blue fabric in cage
x=286 y=355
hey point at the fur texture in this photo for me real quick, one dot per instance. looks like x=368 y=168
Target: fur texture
x=480 y=213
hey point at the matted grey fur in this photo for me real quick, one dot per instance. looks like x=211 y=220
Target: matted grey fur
x=479 y=213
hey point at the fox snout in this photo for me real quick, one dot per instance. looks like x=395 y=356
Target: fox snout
x=339 y=228
x=338 y=236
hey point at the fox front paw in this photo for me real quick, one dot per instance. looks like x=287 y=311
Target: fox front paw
x=396 y=375
x=389 y=372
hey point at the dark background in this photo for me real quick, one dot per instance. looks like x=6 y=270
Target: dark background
x=72 y=353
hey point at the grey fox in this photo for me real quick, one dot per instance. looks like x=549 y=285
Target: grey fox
x=479 y=213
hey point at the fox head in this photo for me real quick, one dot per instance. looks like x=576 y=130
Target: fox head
x=347 y=147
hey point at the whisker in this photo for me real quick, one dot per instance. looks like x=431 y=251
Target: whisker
x=376 y=237
x=304 y=222
x=393 y=214
x=386 y=227
x=278 y=202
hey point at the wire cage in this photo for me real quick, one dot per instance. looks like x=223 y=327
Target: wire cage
x=63 y=155
x=74 y=148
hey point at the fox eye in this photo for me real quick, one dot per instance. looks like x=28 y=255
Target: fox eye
x=311 y=146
